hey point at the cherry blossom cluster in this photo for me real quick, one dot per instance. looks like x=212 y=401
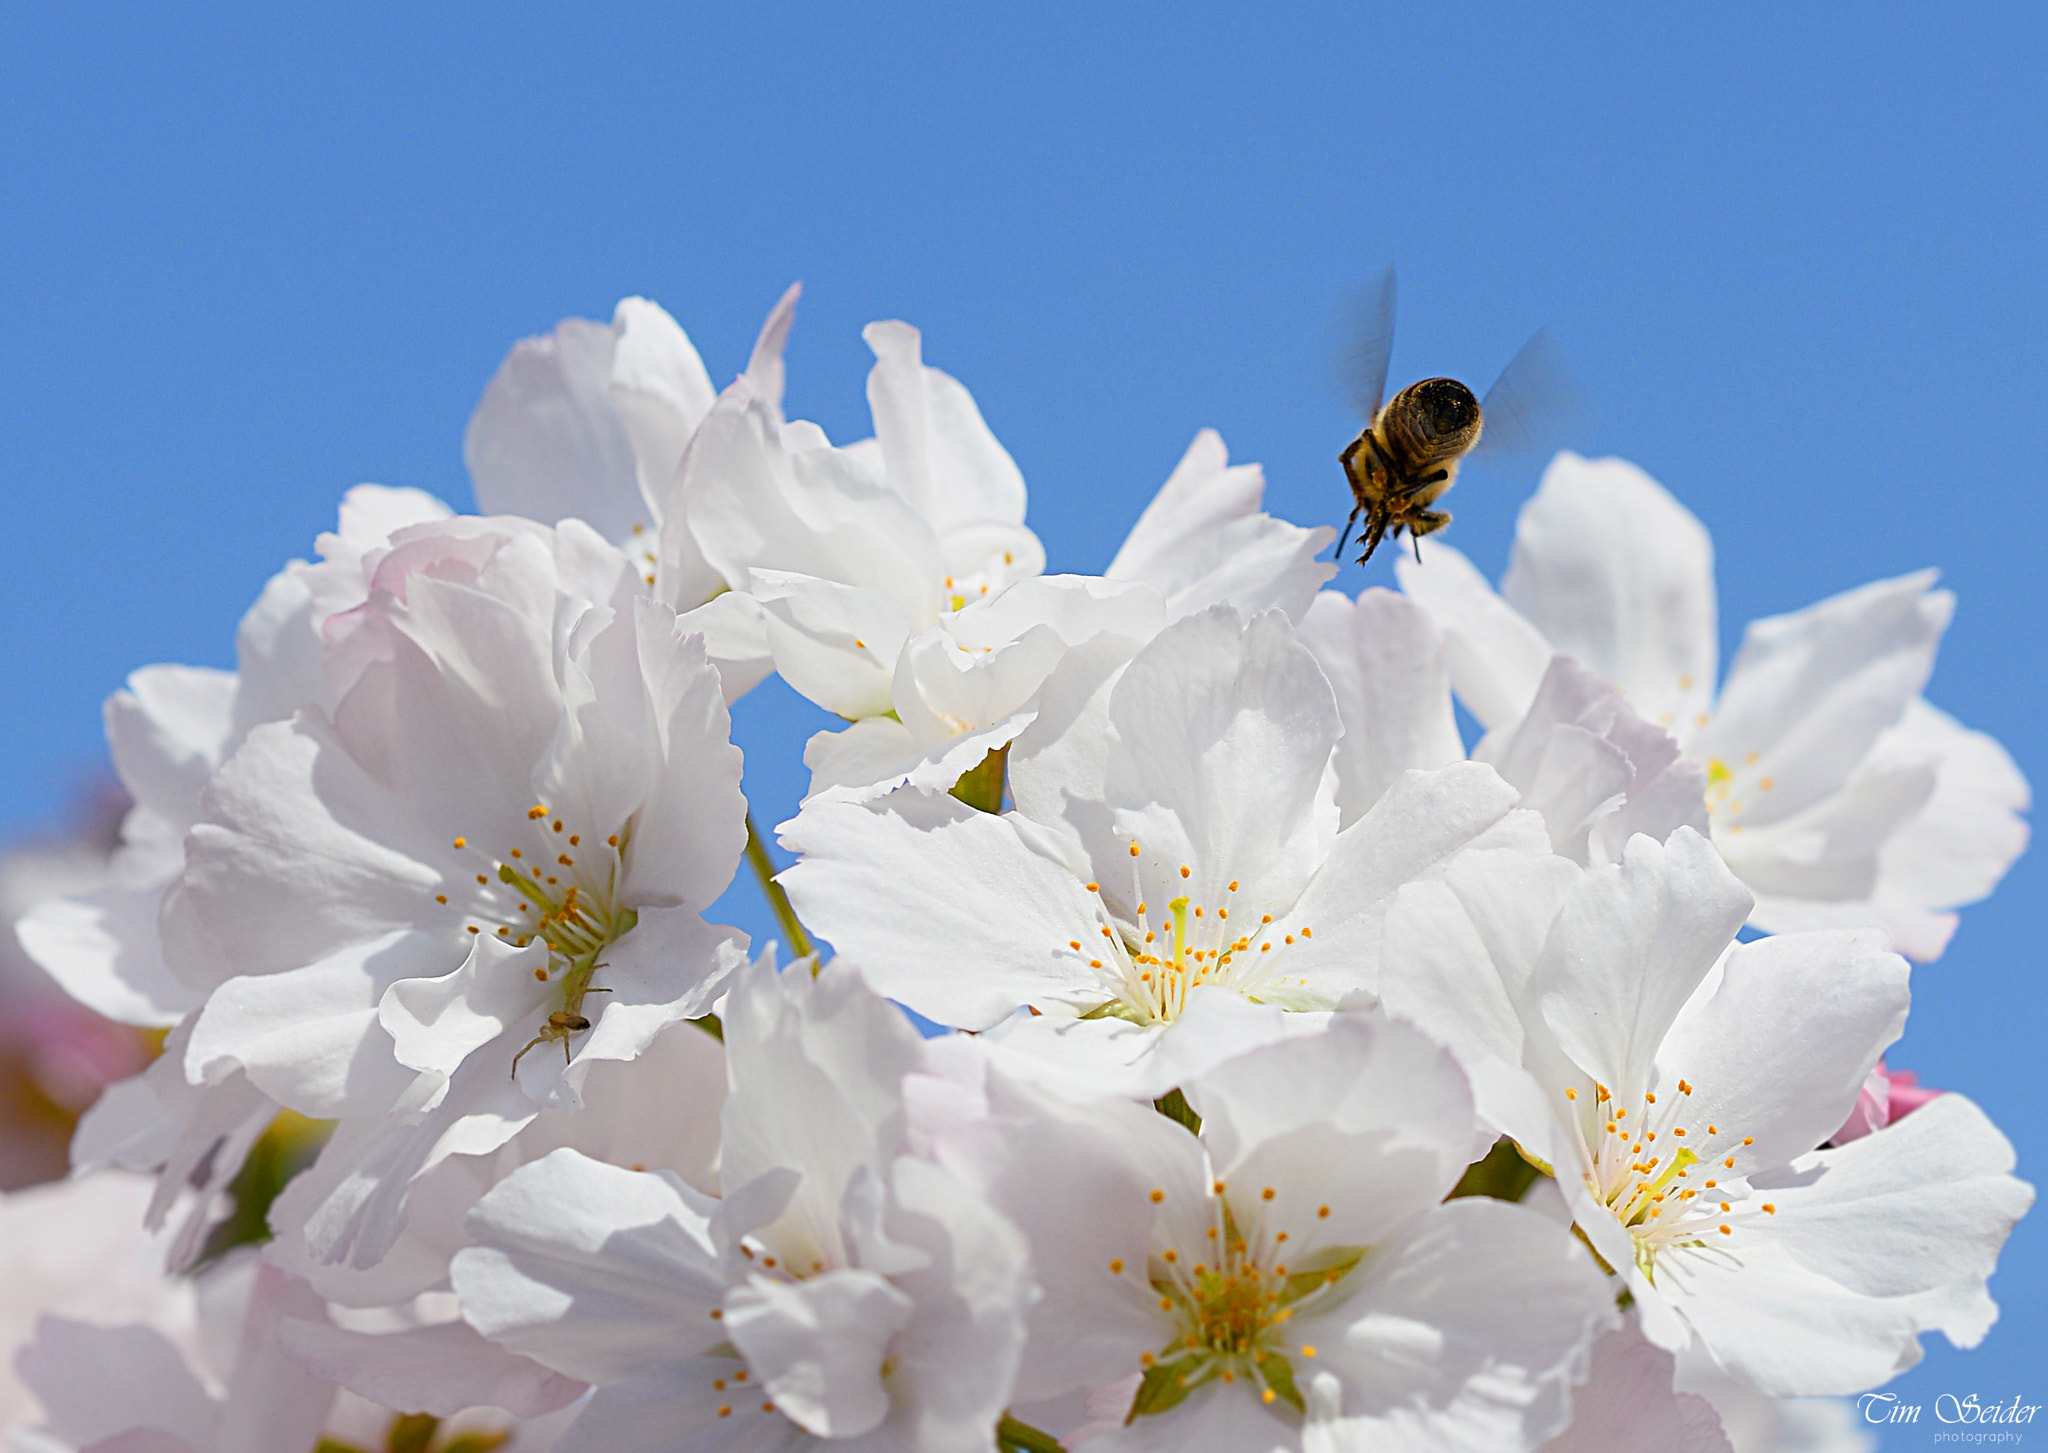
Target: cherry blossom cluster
x=1309 y=1081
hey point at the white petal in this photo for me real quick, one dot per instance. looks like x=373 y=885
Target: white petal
x=957 y=1357
x=836 y=644
x=1810 y=692
x=675 y=1408
x=817 y=1345
x=1389 y=667
x=919 y=887
x=1969 y=833
x=1414 y=831
x=817 y=1066
x=1613 y=570
x=1203 y=541
x=1922 y=1203
x=436 y=1023
x=755 y=502
x=1078 y=1182
x=595 y=1271
x=168 y=732
x=102 y=948
x=1370 y=1119
x=1777 y=1044
x=1497 y=657
x=941 y=456
x=546 y=442
x=1224 y=730
x=310 y=1037
x=765 y=371
x=1463 y=1330
x=660 y=390
x=1630 y=945
x=1459 y=953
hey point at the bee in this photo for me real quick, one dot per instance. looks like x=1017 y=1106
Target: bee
x=1407 y=456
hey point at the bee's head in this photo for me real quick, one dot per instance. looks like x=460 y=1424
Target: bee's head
x=1436 y=419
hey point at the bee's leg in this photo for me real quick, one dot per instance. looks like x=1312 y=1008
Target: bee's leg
x=1375 y=531
x=1347 y=530
x=1419 y=485
x=1425 y=522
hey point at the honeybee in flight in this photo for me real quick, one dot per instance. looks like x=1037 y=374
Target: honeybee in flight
x=1408 y=454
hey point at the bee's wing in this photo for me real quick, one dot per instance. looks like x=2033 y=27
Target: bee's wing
x=1529 y=406
x=1372 y=341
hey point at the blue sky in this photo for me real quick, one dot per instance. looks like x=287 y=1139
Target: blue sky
x=255 y=255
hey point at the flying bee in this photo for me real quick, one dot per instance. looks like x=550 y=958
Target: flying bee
x=1408 y=454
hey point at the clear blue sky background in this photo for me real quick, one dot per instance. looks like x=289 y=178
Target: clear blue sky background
x=257 y=254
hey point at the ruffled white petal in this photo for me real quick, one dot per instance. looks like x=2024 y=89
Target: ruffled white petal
x=1614 y=571
x=1389 y=667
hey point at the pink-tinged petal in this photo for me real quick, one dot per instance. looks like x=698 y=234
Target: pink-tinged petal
x=96 y=1383
x=438 y=1369
x=1872 y=1110
x=1614 y=571
x=1629 y=1402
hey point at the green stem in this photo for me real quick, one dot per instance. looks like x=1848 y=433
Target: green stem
x=764 y=869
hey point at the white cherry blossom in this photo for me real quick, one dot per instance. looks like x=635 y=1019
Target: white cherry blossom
x=969 y=685
x=1579 y=756
x=590 y=422
x=1291 y=1278
x=1836 y=793
x=841 y=1289
x=494 y=852
x=1679 y=1085
x=168 y=732
x=1181 y=846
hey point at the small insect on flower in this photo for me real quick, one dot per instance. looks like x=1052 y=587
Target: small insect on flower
x=561 y=1024
x=1408 y=454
